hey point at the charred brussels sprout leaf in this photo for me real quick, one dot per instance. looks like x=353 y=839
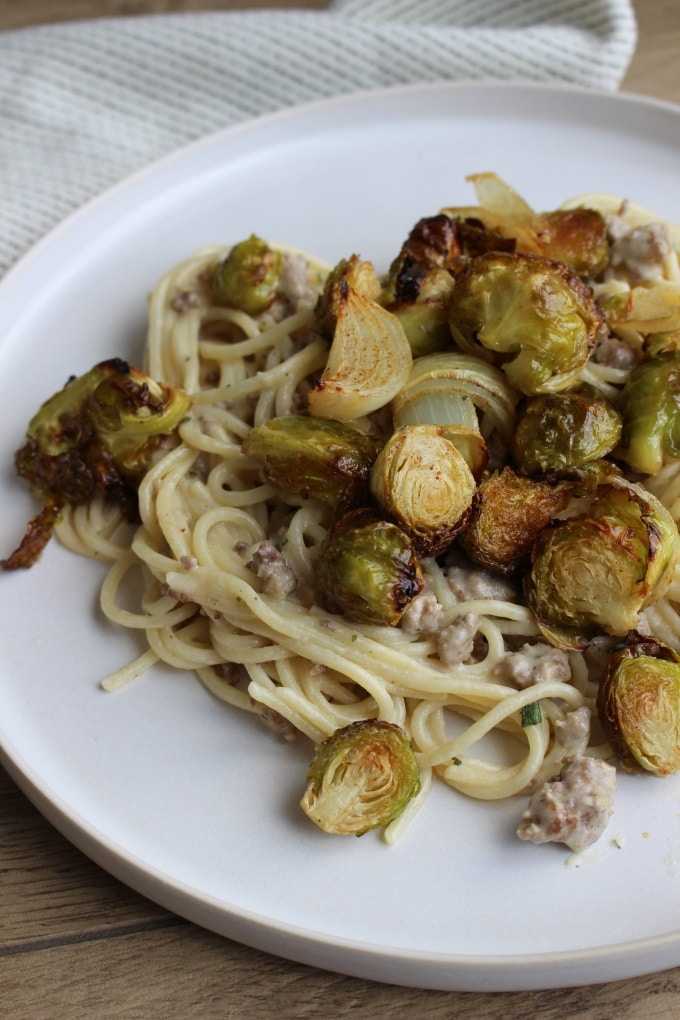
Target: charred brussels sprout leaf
x=559 y=431
x=508 y=514
x=419 y=284
x=349 y=274
x=422 y=482
x=367 y=569
x=248 y=277
x=651 y=414
x=361 y=778
x=315 y=457
x=597 y=573
x=535 y=316
x=98 y=434
x=639 y=706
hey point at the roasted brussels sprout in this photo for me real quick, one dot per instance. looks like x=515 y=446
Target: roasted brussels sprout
x=638 y=703
x=367 y=569
x=318 y=457
x=361 y=778
x=422 y=483
x=419 y=284
x=349 y=274
x=576 y=235
x=248 y=277
x=508 y=513
x=559 y=431
x=98 y=434
x=530 y=307
x=425 y=319
x=596 y=573
x=651 y=414
x=368 y=363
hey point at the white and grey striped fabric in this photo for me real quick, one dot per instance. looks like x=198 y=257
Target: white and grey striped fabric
x=83 y=104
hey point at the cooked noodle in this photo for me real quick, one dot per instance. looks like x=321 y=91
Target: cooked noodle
x=205 y=509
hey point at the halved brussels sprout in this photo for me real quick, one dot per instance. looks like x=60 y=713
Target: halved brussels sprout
x=575 y=234
x=638 y=703
x=361 y=777
x=367 y=569
x=577 y=237
x=535 y=317
x=558 y=431
x=98 y=434
x=422 y=482
x=651 y=414
x=508 y=513
x=596 y=573
x=318 y=457
x=249 y=276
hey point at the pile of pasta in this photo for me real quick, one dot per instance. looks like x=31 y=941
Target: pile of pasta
x=205 y=507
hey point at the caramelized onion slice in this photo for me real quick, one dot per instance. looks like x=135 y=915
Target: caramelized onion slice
x=368 y=363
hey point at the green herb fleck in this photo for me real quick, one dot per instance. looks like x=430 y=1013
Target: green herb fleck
x=531 y=714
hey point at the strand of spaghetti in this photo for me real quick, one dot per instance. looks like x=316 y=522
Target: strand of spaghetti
x=396 y=828
x=234 y=428
x=169 y=505
x=164 y=360
x=506 y=705
x=477 y=777
x=589 y=376
x=157 y=563
x=130 y=672
x=375 y=667
x=664 y=622
x=219 y=531
x=151 y=483
x=303 y=715
x=174 y=648
x=166 y=613
x=336 y=711
x=303 y=363
x=89 y=529
x=291 y=705
x=226 y=692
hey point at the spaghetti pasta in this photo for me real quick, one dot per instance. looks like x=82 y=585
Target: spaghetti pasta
x=265 y=646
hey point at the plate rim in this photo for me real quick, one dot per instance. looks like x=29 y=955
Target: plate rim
x=445 y=971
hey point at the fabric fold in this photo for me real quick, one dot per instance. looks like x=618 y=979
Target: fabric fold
x=83 y=104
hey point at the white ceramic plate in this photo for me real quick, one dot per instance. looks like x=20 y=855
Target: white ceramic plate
x=194 y=806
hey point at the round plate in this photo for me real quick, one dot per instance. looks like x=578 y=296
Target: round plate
x=181 y=798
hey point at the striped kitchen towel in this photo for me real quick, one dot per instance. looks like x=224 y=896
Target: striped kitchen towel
x=83 y=104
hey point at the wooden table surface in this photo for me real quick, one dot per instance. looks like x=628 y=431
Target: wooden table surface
x=75 y=943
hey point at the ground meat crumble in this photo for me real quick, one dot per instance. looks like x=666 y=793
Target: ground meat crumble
x=277 y=577
x=534 y=664
x=456 y=642
x=573 y=809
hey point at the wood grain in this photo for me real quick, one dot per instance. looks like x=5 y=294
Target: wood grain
x=75 y=943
